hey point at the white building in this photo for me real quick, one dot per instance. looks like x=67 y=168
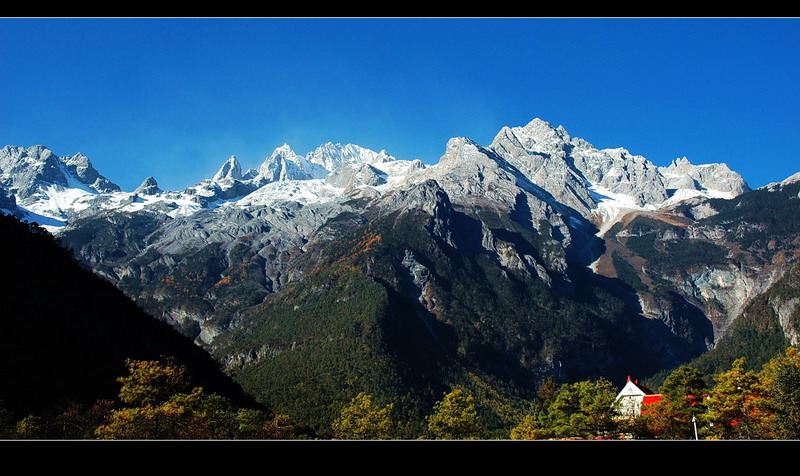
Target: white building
x=634 y=396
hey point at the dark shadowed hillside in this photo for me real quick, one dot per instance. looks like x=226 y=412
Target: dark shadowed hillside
x=67 y=333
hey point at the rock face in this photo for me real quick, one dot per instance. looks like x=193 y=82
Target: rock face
x=533 y=202
x=27 y=172
x=8 y=204
x=728 y=288
x=230 y=170
x=47 y=188
x=148 y=187
x=718 y=177
x=350 y=177
x=712 y=257
x=582 y=176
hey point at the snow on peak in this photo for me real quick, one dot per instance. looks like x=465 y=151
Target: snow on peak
x=539 y=131
x=606 y=182
x=148 y=187
x=680 y=162
x=603 y=183
x=787 y=181
x=285 y=164
x=456 y=142
x=230 y=170
x=37 y=152
x=717 y=179
x=791 y=179
x=284 y=150
x=333 y=155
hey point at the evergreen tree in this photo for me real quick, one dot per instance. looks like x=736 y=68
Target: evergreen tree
x=529 y=429
x=455 y=417
x=583 y=409
x=736 y=405
x=780 y=380
x=151 y=382
x=684 y=392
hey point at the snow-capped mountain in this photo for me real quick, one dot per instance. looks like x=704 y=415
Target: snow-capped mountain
x=51 y=190
x=604 y=184
x=601 y=185
x=48 y=188
x=560 y=189
x=321 y=175
x=794 y=178
x=504 y=256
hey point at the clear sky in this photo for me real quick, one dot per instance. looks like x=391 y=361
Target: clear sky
x=174 y=98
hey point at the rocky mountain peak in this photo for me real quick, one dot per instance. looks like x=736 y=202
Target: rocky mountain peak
x=230 y=170
x=680 y=162
x=280 y=165
x=794 y=178
x=333 y=155
x=536 y=136
x=460 y=147
x=148 y=187
x=32 y=153
x=15 y=158
x=78 y=160
x=715 y=177
x=284 y=150
x=543 y=131
x=426 y=195
x=30 y=171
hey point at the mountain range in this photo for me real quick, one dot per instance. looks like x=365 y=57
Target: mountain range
x=312 y=278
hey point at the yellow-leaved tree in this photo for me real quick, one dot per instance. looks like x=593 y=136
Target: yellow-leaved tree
x=160 y=404
x=455 y=417
x=362 y=419
x=736 y=407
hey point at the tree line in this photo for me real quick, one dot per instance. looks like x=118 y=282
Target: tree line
x=156 y=401
x=734 y=404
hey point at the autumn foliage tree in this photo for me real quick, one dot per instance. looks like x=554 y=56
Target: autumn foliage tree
x=362 y=419
x=780 y=380
x=684 y=392
x=158 y=406
x=161 y=404
x=737 y=408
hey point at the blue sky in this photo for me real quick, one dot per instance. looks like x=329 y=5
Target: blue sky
x=174 y=98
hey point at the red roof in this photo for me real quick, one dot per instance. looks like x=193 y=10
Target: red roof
x=649 y=399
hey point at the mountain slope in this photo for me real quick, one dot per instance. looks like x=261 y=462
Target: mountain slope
x=602 y=183
x=315 y=277
x=706 y=258
x=411 y=302
x=768 y=324
x=68 y=332
x=770 y=235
